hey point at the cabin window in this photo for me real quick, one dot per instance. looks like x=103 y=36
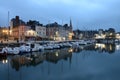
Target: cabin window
x=32 y=45
x=27 y=44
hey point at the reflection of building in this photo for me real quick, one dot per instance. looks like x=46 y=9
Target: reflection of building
x=18 y=61
x=101 y=47
x=55 y=56
x=117 y=47
x=3 y=59
x=37 y=59
x=105 y=47
x=30 y=60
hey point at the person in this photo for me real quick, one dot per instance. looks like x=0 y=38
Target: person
x=17 y=41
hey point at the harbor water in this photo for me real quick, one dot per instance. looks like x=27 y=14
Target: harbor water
x=92 y=62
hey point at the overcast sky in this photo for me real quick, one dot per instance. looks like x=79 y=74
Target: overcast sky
x=85 y=14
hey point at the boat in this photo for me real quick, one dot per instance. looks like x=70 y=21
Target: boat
x=24 y=49
x=47 y=47
x=82 y=42
x=30 y=47
x=54 y=46
x=11 y=50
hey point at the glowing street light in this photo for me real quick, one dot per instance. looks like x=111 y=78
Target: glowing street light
x=5 y=31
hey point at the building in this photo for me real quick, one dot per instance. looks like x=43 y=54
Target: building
x=77 y=34
x=33 y=24
x=18 y=33
x=51 y=30
x=106 y=34
x=4 y=33
x=41 y=31
x=31 y=33
x=15 y=22
x=56 y=31
x=101 y=31
x=17 y=29
x=82 y=34
x=118 y=35
x=111 y=33
x=68 y=30
x=61 y=34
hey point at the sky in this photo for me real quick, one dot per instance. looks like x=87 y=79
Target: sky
x=85 y=14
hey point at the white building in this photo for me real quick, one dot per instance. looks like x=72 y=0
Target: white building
x=41 y=31
x=31 y=33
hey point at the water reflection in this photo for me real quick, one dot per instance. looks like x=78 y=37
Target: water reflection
x=27 y=60
x=36 y=58
x=117 y=47
x=3 y=59
x=110 y=48
x=66 y=60
x=54 y=56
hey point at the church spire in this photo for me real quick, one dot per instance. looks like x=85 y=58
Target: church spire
x=70 y=23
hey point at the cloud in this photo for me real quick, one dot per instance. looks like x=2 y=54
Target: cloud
x=82 y=12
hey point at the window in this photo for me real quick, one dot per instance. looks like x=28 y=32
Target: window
x=29 y=34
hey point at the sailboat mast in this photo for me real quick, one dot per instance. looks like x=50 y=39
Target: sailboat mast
x=8 y=25
x=8 y=19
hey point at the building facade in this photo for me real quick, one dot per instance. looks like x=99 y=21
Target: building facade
x=4 y=33
x=31 y=33
x=15 y=22
x=56 y=31
x=82 y=34
x=18 y=33
x=41 y=31
x=51 y=30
